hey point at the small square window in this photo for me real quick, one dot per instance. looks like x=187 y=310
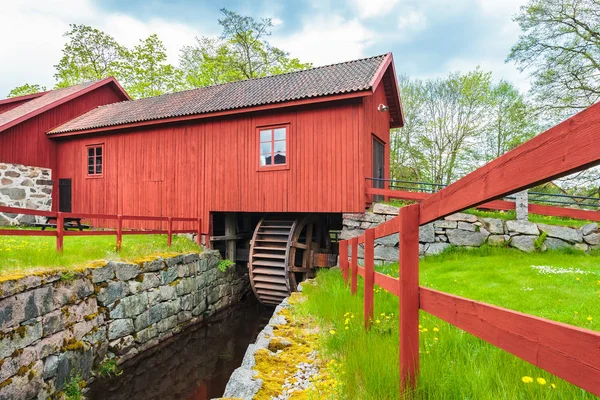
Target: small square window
x=94 y=160
x=273 y=149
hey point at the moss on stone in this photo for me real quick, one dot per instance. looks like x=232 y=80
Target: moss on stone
x=5 y=383
x=90 y=317
x=72 y=344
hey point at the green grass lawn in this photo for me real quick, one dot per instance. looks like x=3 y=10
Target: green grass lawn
x=20 y=254
x=456 y=365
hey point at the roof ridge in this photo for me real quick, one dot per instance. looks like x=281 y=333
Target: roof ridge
x=255 y=79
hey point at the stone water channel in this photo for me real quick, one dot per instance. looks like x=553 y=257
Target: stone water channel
x=196 y=364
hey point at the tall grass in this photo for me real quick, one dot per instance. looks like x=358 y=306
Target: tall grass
x=22 y=253
x=455 y=364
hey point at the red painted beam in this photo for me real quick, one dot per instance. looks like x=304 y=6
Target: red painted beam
x=387 y=283
x=569 y=352
x=495 y=205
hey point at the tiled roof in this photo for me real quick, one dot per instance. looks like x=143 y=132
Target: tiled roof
x=37 y=103
x=47 y=100
x=346 y=77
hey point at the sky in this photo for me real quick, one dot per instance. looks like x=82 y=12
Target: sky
x=428 y=38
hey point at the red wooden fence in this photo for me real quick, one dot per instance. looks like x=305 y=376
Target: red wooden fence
x=568 y=352
x=60 y=232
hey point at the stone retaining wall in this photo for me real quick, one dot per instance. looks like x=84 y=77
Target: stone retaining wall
x=24 y=187
x=469 y=231
x=60 y=325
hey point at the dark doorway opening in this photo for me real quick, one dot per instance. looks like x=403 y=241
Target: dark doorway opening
x=64 y=195
x=378 y=171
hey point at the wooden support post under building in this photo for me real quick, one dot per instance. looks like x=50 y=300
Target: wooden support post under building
x=231 y=230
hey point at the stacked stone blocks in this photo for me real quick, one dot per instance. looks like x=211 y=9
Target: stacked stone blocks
x=60 y=325
x=24 y=187
x=466 y=230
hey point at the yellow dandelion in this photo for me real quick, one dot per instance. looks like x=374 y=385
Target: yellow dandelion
x=436 y=329
x=527 y=379
x=347 y=321
x=576 y=279
x=332 y=332
x=589 y=318
x=541 y=381
x=420 y=326
x=382 y=314
x=424 y=330
x=436 y=339
x=377 y=321
x=346 y=328
x=553 y=385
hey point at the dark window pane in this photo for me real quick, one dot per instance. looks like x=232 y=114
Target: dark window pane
x=98 y=169
x=99 y=160
x=265 y=136
x=280 y=134
x=91 y=170
x=90 y=160
x=280 y=158
x=90 y=151
x=268 y=160
x=98 y=151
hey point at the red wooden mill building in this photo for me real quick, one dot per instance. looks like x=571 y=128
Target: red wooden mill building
x=269 y=164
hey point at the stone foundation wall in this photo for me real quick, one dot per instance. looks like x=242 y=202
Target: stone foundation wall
x=57 y=326
x=468 y=230
x=24 y=187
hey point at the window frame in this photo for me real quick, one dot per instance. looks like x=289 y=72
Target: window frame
x=86 y=160
x=272 y=127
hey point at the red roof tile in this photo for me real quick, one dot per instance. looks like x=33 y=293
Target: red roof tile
x=43 y=102
x=346 y=77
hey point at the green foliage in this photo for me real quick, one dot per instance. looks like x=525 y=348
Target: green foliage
x=454 y=364
x=225 y=264
x=26 y=89
x=109 y=368
x=560 y=48
x=88 y=55
x=241 y=52
x=73 y=388
x=456 y=124
x=539 y=242
x=67 y=276
x=146 y=72
x=27 y=252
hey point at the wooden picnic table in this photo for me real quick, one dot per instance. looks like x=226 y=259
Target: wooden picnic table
x=68 y=223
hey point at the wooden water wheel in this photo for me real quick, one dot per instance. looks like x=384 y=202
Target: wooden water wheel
x=284 y=252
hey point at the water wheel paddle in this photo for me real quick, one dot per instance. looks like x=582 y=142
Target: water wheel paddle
x=282 y=253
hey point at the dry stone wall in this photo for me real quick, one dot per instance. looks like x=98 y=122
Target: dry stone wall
x=24 y=187
x=468 y=230
x=57 y=326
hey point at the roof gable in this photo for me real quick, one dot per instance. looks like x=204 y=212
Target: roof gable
x=44 y=101
x=348 y=78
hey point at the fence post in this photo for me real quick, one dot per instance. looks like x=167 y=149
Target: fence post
x=199 y=233
x=60 y=231
x=409 y=297
x=354 y=265
x=170 y=231
x=344 y=259
x=369 y=276
x=119 y=232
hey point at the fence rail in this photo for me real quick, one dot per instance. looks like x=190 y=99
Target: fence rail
x=60 y=232
x=568 y=352
x=534 y=197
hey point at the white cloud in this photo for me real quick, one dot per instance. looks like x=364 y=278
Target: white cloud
x=326 y=39
x=33 y=38
x=373 y=8
x=410 y=23
x=276 y=21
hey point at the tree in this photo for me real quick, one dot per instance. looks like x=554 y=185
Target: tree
x=88 y=55
x=241 y=52
x=511 y=122
x=26 y=89
x=560 y=47
x=145 y=71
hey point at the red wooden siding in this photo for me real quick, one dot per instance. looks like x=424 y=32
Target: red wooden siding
x=190 y=169
x=376 y=123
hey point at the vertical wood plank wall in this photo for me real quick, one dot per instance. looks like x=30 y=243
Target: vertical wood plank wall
x=193 y=168
x=27 y=144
